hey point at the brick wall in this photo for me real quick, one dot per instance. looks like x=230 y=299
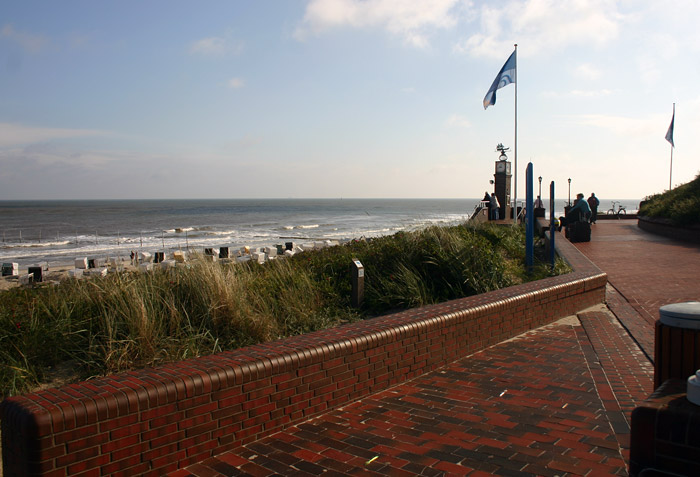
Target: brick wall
x=665 y=228
x=153 y=421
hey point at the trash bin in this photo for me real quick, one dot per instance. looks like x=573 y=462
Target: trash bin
x=677 y=342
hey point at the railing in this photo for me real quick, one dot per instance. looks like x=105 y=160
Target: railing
x=484 y=204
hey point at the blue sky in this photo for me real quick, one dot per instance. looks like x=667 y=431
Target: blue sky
x=342 y=98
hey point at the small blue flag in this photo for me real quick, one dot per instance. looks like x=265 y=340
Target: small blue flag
x=505 y=77
x=669 y=134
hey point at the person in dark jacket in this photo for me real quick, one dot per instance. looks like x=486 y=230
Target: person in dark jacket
x=593 y=203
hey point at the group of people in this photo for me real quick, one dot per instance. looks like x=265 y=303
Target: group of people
x=583 y=209
x=491 y=201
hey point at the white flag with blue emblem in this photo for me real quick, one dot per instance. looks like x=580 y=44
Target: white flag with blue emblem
x=669 y=134
x=505 y=77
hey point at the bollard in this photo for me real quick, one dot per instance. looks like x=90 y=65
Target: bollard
x=357 y=273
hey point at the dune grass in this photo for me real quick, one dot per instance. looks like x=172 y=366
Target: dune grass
x=130 y=320
x=680 y=205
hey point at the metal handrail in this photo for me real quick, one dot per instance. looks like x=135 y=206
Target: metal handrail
x=477 y=208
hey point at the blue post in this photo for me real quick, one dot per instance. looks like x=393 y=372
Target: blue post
x=552 y=230
x=529 y=220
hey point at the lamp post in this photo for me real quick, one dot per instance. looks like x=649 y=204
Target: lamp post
x=569 y=191
x=540 y=179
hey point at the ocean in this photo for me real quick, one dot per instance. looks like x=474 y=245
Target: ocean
x=58 y=232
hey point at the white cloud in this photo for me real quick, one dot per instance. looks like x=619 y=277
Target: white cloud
x=215 y=46
x=587 y=71
x=577 y=93
x=658 y=53
x=623 y=126
x=28 y=42
x=236 y=83
x=58 y=171
x=542 y=25
x=459 y=121
x=244 y=143
x=44 y=155
x=15 y=134
x=590 y=93
x=413 y=20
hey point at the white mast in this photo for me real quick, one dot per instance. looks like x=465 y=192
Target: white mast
x=515 y=149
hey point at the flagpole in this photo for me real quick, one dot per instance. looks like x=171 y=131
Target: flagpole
x=670 y=175
x=515 y=152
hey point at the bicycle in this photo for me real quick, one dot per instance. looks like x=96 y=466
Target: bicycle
x=621 y=209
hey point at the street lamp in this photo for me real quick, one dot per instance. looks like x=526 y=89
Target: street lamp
x=540 y=179
x=569 y=191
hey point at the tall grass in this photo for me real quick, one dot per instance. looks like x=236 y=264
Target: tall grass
x=130 y=320
x=680 y=205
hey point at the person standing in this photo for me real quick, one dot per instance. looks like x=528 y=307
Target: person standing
x=495 y=206
x=593 y=203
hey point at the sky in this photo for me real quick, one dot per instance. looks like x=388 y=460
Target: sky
x=343 y=98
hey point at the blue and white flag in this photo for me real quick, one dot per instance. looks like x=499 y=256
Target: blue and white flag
x=669 y=134
x=505 y=77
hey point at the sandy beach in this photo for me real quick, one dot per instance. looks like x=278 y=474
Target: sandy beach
x=55 y=274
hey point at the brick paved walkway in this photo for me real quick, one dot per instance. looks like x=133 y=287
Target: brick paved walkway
x=554 y=401
x=648 y=270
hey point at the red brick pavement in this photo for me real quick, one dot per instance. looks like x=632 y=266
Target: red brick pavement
x=648 y=270
x=554 y=401
x=528 y=406
x=622 y=372
x=638 y=327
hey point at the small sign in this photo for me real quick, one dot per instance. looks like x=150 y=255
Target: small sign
x=360 y=268
x=357 y=283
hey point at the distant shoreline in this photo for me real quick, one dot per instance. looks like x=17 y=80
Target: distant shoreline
x=57 y=232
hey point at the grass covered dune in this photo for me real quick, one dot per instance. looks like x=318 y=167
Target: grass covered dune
x=80 y=329
x=680 y=206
